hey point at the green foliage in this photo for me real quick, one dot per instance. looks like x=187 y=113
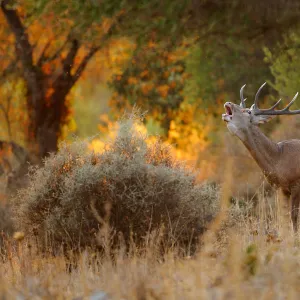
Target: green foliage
x=284 y=64
x=172 y=19
x=217 y=70
x=203 y=81
x=144 y=186
x=154 y=80
x=86 y=12
x=139 y=18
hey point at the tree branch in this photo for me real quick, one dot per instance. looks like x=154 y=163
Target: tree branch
x=84 y=63
x=22 y=42
x=59 y=50
x=69 y=60
x=25 y=51
x=94 y=49
x=5 y=111
x=10 y=69
x=42 y=57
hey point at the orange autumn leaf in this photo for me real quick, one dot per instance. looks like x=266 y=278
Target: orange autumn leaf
x=49 y=92
x=47 y=68
x=163 y=90
x=132 y=80
x=106 y=25
x=179 y=69
x=144 y=74
x=151 y=44
x=171 y=57
x=104 y=118
x=166 y=74
x=173 y=84
x=146 y=88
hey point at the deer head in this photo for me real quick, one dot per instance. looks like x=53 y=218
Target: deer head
x=239 y=118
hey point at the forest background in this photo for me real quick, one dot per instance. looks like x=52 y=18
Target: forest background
x=71 y=68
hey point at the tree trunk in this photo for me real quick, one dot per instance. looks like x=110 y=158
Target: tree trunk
x=51 y=118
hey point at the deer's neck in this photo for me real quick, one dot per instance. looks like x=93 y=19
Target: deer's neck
x=263 y=150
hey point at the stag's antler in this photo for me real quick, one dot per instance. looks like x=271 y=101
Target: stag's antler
x=272 y=111
x=243 y=104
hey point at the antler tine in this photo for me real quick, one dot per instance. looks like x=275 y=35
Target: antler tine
x=271 y=111
x=275 y=105
x=257 y=94
x=243 y=104
x=291 y=103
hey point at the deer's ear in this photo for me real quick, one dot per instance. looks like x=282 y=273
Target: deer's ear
x=261 y=119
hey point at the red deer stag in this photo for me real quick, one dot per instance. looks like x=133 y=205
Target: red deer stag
x=280 y=162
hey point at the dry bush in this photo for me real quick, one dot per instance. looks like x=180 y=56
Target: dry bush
x=6 y=223
x=135 y=187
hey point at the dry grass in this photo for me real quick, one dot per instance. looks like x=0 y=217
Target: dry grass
x=6 y=223
x=247 y=251
x=260 y=260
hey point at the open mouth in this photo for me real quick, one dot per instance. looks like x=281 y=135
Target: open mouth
x=228 y=113
x=228 y=109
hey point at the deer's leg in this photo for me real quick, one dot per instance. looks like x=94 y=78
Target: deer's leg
x=295 y=197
